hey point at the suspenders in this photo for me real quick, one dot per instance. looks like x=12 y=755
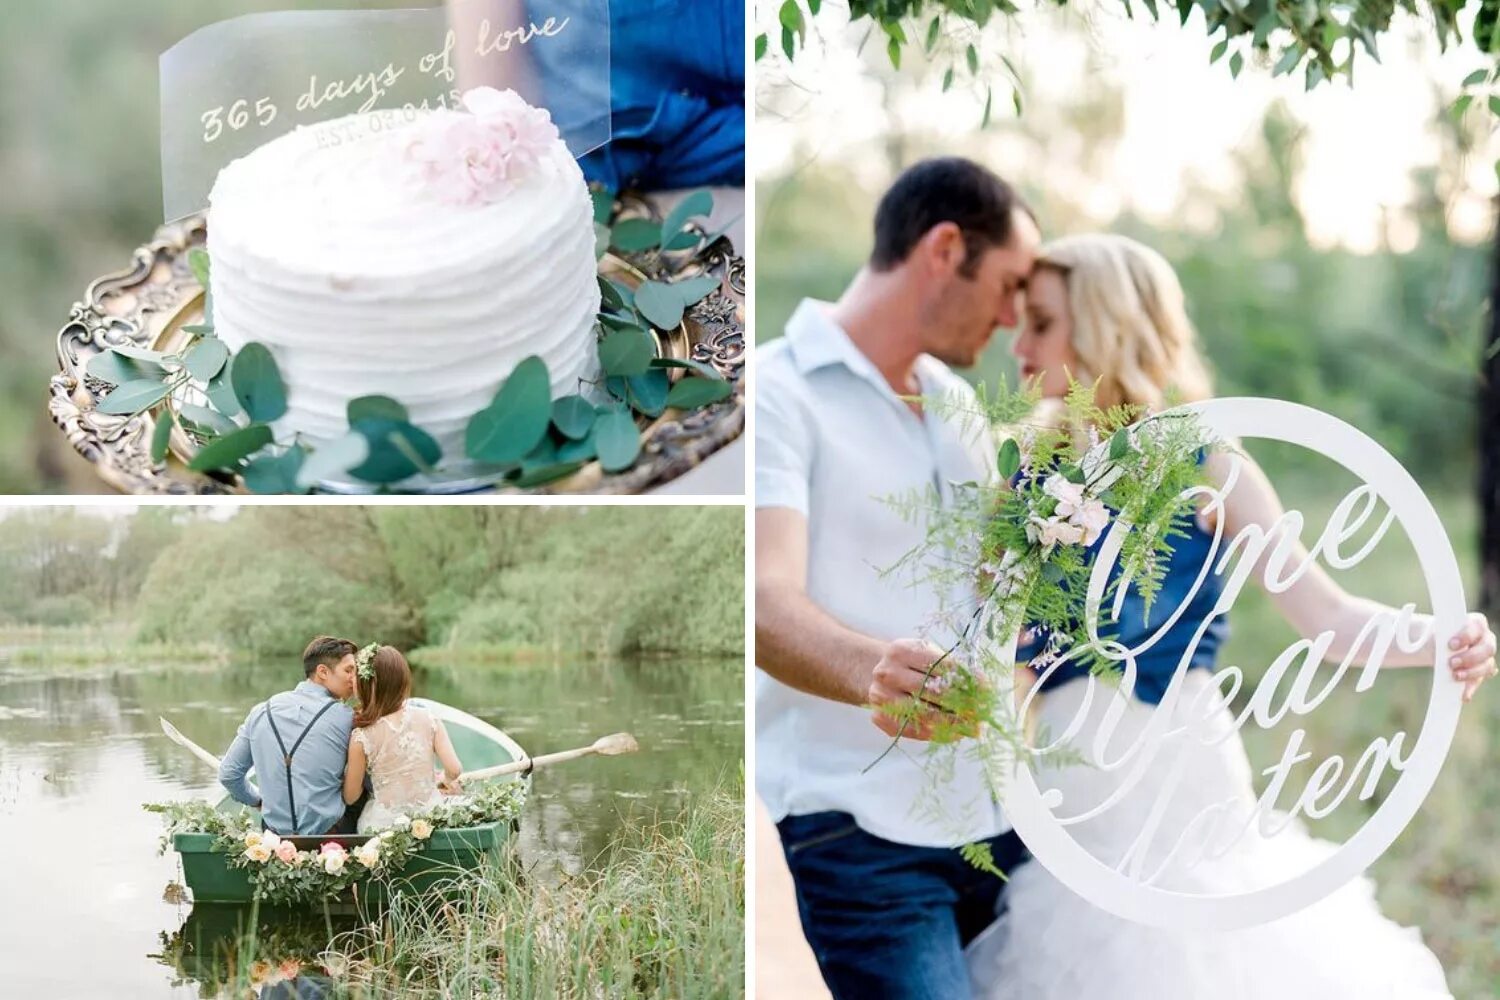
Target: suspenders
x=286 y=755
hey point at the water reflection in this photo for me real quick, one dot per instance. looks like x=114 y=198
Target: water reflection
x=80 y=753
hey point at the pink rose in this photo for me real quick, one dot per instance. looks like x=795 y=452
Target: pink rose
x=332 y=847
x=286 y=851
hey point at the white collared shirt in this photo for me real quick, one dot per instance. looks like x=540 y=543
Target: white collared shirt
x=833 y=441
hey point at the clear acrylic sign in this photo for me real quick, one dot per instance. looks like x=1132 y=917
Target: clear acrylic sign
x=235 y=85
x=1304 y=782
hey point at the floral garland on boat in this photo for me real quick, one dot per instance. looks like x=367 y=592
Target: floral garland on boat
x=1023 y=543
x=280 y=873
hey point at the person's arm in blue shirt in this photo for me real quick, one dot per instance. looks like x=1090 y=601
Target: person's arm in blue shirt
x=236 y=765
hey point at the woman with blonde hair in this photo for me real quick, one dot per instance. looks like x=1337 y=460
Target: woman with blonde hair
x=1108 y=311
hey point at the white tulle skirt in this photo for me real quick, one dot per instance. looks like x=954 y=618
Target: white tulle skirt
x=1050 y=944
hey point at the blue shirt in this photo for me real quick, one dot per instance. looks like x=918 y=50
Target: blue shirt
x=677 y=96
x=317 y=766
x=1156 y=665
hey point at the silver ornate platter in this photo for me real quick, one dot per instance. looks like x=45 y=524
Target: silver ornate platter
x=148 y=303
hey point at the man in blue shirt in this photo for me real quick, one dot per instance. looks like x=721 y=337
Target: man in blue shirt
x=297 y=742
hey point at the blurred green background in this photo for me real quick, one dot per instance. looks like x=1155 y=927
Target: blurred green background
x=460 y=584
x=80 y=186
x=1375 y=312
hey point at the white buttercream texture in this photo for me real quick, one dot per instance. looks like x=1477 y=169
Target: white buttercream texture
x=361 y=282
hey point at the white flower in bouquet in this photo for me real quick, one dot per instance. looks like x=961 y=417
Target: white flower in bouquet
x=1051 y=531
x=421 y=829
x=259 y=853
x=368 y=853
x=252 y=837
x=1069 y=495
x=333 y=863
x=1092 y=518
x=401 y=822
x=270 y=841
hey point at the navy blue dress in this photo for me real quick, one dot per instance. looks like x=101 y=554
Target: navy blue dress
x=1155 y=666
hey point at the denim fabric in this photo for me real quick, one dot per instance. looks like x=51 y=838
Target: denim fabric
x=677 y=83
x=885 y=919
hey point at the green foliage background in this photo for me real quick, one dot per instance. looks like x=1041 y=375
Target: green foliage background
x=464 y=582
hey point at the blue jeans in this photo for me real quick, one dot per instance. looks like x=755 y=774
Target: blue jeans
x=889 y=920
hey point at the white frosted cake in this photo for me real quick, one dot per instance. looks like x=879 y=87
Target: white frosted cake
x=419 y=256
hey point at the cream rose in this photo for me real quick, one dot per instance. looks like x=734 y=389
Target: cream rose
x=260 y=853
x=333 y=862
x=421 y=829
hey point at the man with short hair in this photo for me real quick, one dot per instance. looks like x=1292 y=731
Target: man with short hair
x=298 y=741
x=886 y=902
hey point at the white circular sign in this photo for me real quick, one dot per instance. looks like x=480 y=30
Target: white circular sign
x=1055 y=848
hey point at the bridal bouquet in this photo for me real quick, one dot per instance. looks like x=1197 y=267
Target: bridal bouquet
x=282 y=874
x=1024 y=543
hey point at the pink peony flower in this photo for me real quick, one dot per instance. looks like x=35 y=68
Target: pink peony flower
x=286 y=851
x=332 y=847
x=481 y=154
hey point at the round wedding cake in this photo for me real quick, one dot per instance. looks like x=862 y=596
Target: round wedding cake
x=415 y=255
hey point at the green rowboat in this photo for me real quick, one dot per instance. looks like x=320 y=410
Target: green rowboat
x=210 y=878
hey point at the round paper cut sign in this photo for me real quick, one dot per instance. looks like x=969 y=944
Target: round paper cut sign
x=1161 y=821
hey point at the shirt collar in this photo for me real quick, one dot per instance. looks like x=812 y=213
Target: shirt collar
x=315 y=690
x=816 y=341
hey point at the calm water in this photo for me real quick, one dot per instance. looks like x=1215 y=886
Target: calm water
x=86 y=907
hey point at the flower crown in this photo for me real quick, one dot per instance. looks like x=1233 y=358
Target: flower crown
x=364 y=661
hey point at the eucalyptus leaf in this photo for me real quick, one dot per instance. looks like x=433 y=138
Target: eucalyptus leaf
x=398 y=450
x=161 y=435
x=604 y=205
x=695 y=290
x=626 y=352
x=762 y=43
x=1071 y=473
x=276 y=474
x=257 y=383
x=699 y=203
x=693 y=392
x=1008 y=461
x=221 y=394
x=660 y=304
x=116 y=369
x=200 y=265
x=584 y=450
x=635 y=235
x=602 y=237
x=614 y=295
x=573 y=416
x=511 y=426
x=333 y=458
x=140 y=354
x=206 y=358
x=1119 y=444
x=200 y=330
x=133 y=397
x=205 y=419
x=229 y=451
x=650 y=391
x=375 y=408
x=1051 y=572
x=617 y=439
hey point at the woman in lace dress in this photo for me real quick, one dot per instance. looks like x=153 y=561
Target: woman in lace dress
x=395 y=742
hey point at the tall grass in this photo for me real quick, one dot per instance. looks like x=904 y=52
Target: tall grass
x=97 y=645
x=662 y=915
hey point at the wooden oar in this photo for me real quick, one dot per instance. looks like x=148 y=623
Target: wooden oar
x=606 y=746
x=188 y=745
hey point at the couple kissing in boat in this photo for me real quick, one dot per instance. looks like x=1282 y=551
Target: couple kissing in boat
x=324 y=768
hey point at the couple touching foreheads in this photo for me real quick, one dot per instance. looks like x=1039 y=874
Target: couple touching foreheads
x=889 y=907
x=325 y=768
